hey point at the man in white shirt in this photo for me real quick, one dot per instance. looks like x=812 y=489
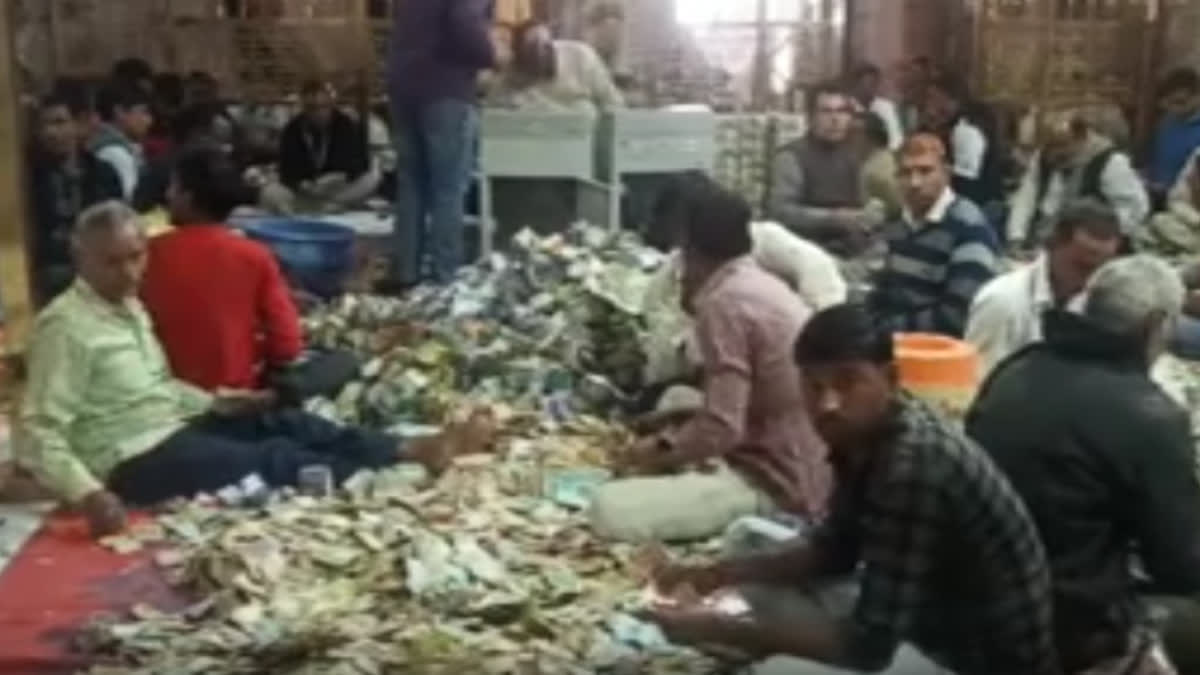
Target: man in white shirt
x=951 y=113
x=551 y=75
x=1075 y=161
x=605 y=32
x=867 y=81
x=970 y=149
x=1006 y=315
x=805 y=267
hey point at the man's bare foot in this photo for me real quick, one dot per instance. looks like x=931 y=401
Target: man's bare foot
x=430 y=452
x=473 y=436
x=476 y=434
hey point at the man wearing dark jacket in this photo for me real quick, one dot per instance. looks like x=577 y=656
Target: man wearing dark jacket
x=64 y=180
x=323 y=160
x=438 y=49
x=1105 y=461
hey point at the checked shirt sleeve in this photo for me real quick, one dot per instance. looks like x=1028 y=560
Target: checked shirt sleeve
x=898 y=548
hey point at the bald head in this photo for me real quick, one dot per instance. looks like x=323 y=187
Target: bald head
x=923 y=172
x=110 y=250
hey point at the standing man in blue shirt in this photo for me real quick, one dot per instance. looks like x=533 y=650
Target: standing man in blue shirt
x=1179 y=133
x=438 y=49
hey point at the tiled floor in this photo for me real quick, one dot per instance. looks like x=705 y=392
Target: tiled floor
x=17 y=524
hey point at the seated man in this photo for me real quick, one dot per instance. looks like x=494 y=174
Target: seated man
x=670 y=348
x=605 y=33
x=556 y=75
x=879 y=169
x=1074 y=162
x=816 y=189
x=967 y=129
x=939 y=253
x=167 y=97
x=125 y=110
x=323 y=160
x=1105 y=461
x=105 y=423
x=752 y=424
x=867 y=80
x=1007 y=313
x=64 y=180
x=1176 y=231
x=220 y=304
x=948 y=558
x=193 y=126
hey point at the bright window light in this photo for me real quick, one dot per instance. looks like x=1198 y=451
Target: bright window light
x=700 y=12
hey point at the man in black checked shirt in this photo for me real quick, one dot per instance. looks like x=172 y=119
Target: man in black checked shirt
x=949 y=561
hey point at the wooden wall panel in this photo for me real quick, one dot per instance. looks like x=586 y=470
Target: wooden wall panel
x=890 y=33
x=877 y=37
x=15 y=296
x=257 y=49
x=1065 y=51
x=1181 y=45
x=1082 y=55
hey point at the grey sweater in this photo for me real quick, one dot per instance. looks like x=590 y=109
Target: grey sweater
x=812 y=179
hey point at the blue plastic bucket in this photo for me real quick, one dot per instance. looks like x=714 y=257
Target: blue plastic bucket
x=316 y=256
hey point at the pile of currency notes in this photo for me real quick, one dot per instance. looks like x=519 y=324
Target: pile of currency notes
x=482 y=572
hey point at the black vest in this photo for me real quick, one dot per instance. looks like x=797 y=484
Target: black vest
x=1089 y=184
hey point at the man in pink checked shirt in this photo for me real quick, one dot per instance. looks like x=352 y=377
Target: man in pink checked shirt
x=750 y=449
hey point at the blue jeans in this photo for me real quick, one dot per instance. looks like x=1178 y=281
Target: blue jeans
x=435 y=154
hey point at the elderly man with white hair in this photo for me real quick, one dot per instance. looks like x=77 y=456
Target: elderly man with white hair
x=1105 y=461
x=1075 y=161
x=104 y=423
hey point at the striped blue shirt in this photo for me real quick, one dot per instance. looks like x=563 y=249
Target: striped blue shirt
x=935 y=267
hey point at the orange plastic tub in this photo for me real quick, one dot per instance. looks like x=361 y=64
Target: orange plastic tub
x=939 y=369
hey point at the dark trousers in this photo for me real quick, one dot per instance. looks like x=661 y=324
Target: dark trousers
x=1181 y=633
x=215 y=452
x=318 y=373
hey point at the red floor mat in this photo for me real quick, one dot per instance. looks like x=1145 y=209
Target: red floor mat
x=55 y=584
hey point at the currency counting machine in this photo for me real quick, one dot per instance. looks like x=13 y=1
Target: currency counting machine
x=636 y=143
x=546 y=151
x=596 y=157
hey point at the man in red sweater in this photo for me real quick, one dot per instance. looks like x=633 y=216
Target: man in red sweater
x=219 y=302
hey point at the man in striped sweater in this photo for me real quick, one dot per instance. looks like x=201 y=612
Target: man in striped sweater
x=940 y=252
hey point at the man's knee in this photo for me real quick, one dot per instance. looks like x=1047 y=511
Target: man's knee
x=614 y=513
x=680 y=398
x=677 y=508
x=277 y=198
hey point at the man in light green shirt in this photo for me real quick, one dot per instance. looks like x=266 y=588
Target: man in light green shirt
x=99 y=391
x=104 y=422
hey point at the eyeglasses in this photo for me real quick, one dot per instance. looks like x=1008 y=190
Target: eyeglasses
x=840 y=110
